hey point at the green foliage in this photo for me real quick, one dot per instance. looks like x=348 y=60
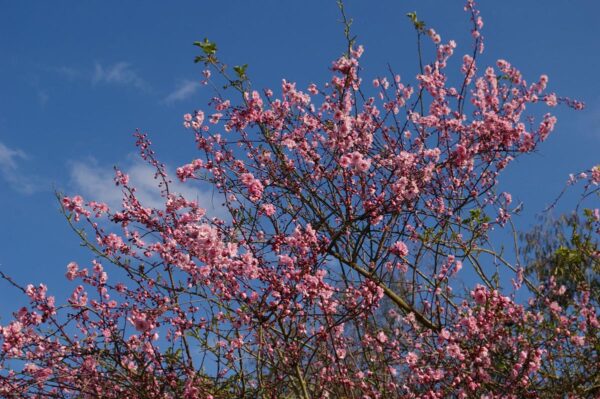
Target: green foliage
x=565 y=248
x=476 y=218
x=419 y=25
x=240 y=71
x=208 y=48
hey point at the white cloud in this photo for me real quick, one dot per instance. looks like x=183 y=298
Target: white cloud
x=95 y=182
x=119 y=73
x=43 y=98
x=9 y=169
x=68 y=72
x=8 y=157
x=183 y=91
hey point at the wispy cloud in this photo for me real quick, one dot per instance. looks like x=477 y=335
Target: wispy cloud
x=9 y=156
x=9 y=169
x=95 y=182
x=184 y=90
x=120 y=73
x=42 y=98
x=68 y=72
x=124 y=74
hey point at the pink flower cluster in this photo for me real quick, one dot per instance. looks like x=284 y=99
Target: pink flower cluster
x=350 y=210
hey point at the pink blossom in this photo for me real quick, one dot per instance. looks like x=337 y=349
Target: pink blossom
x=480 y=295
x=399 y=249
x=140 y=322
x=596 y=174
x=411 y=358
x=578 y=340
x=72 y=269
x=268 y=209
x=555 y=307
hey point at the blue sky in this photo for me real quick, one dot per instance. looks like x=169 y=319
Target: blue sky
x=77 y=78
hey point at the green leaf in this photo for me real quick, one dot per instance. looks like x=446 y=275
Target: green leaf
x=240 y=70
x=209 y=48
x=419 y=25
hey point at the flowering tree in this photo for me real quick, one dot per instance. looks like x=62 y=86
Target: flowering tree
x=352 y=210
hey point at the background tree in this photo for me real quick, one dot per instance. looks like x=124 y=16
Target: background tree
x=565 y=248
x=563 y=253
